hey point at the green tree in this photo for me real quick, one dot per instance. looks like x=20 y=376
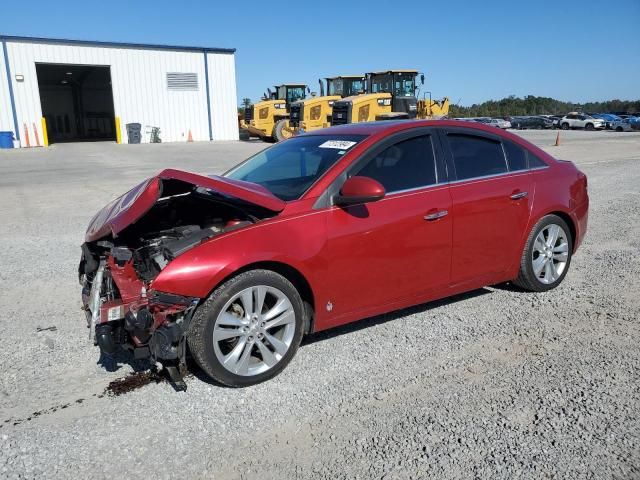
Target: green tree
x=532 y=105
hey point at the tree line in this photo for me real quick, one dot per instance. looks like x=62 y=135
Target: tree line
x=532 y=105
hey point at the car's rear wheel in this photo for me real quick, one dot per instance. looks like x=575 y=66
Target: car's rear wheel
x=249 y=329
x=547 y=255
x=618 y=129
x=565 y=126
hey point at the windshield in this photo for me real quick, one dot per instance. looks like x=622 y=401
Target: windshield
x=398 y=84
x=289 y=168
x=290 y=94
x=345 y=87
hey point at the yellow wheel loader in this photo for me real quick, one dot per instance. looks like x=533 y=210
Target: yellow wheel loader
x=315 y=112
x=390 y=95
x=268 y=118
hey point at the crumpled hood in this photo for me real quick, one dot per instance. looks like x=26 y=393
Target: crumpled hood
x=130 y=207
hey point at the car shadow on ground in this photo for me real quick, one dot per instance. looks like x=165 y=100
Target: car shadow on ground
x=356 y=326
x=387 y=317
x=115 y=362
x=121 y=357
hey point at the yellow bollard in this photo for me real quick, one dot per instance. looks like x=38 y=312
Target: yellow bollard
x=45 y=135
x=118 y=134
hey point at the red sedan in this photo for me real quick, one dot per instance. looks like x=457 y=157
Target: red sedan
x=321 y=230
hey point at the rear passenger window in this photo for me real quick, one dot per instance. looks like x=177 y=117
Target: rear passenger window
x=476 y=156
x=405 y=165
x=516 y=156
x=535 y=162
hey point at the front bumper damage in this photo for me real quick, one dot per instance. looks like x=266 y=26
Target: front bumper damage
x=124 y=312
x=130 y=242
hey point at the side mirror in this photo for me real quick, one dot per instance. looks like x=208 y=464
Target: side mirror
x=359 y=190
x=422 y=78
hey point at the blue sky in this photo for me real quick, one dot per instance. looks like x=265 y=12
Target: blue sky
x=470 y=50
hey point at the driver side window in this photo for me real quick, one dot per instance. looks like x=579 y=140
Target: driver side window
x=406 y=165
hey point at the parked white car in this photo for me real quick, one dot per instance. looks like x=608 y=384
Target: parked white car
x=499 y=123
x=580 y=120
x=621 y=126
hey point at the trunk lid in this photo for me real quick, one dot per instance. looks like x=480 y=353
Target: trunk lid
x=130 y=207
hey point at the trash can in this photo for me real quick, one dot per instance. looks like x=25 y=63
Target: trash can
x=6 y=139
x=133 y=132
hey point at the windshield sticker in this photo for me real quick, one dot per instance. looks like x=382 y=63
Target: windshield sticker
x=337 y=144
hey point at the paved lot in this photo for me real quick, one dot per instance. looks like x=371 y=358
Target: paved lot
x=494 y=384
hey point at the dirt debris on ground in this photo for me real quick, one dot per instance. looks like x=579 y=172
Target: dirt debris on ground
x=497 y=383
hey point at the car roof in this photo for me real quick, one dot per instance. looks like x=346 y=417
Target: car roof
x=390 y=126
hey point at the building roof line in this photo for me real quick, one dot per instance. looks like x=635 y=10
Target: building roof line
x=96 y=43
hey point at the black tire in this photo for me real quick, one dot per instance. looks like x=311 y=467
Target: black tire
x=565 y=126
x=200 y=336
x=518 y=126
x=588 y=126
x=618 y=129
x=526 y=276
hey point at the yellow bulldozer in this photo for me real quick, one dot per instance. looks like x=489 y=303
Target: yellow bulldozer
x=314 y=112
x=389 y=95
x=268 y=118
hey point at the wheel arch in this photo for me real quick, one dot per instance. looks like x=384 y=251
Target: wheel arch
x=292 y=274
x=568 y=220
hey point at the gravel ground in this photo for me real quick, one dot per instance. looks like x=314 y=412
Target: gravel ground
x=495 y=384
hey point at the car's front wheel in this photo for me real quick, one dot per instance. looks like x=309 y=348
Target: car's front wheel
x=249 y=328
x=589 y=126
x=547 y=255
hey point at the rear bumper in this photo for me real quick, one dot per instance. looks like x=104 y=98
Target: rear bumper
x=580 y=216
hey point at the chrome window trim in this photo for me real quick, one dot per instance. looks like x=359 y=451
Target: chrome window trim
x=487 y=177
x=398 y=194
x=415 y=189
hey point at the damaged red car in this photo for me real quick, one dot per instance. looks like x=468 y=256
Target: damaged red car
x=321 y=230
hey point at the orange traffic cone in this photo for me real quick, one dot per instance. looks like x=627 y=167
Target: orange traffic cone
x=189 y=137
x=557 y=144
x=26 y=135
x=35 y=134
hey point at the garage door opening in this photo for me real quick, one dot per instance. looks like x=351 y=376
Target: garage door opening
x=77 y=102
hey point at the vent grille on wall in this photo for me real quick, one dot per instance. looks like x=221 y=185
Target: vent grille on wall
x=182 y=81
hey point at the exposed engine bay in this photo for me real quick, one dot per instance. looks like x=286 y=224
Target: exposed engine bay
x=117 y=272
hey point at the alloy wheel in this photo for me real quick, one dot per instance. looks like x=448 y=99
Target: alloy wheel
x=550 y=254
x=254 y=330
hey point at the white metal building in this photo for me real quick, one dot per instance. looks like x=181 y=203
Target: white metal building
x=86 y=91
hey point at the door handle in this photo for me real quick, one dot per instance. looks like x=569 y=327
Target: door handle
x=519 y=195
x=436 y=215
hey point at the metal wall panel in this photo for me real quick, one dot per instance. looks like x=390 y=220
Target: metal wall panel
x=139 y=81
x=222 y=91
x=6 y=114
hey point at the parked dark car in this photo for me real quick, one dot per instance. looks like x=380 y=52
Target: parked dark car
x=521 y=123
x=321 y=230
